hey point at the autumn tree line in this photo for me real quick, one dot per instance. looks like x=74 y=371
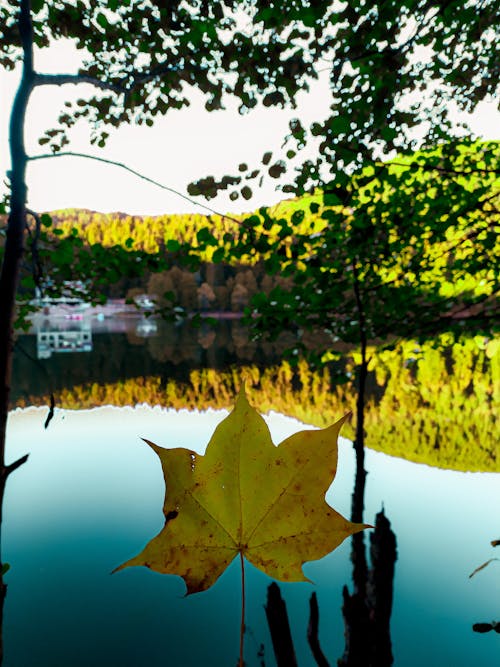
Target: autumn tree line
x=123 y=255
x=213 y=286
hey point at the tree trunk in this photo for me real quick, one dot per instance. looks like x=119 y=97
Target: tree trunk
x=14 y=242
x=14 y=249
x=383 y=555
x=367 y=611
x=358 y=554
x=355 y=607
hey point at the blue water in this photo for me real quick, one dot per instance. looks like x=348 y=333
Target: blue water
x=91 y=496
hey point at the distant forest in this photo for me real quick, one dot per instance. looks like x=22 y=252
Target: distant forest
x=122 y=255
x=214 y=287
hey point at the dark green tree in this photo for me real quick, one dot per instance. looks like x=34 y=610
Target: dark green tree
x=406 y=249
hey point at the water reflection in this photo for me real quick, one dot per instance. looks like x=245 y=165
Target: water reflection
x=67 y=326
x=72 y=334
x=126 y=346
x=91 y=496
x=146 y=327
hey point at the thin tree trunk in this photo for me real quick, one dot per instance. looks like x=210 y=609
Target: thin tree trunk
x=14 y=242
x=367 y=611
x=13 y=250
x=355 y=607
x=358 y=554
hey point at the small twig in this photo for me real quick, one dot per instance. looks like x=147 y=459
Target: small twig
x=7 y=470
x=312 y=633
x=51 y=411
x=486 y=627
x=135 y=173
x=481 y=567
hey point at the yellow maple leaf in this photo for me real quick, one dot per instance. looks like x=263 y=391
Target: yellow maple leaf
x=246 y=497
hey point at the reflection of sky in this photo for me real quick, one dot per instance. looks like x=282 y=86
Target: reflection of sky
x=91 y=495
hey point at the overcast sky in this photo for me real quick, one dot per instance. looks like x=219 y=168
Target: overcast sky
x=181 y=147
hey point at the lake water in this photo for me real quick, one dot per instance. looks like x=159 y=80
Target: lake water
x=116 y=349
x=91 y=496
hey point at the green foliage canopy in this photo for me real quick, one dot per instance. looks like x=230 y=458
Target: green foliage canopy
x=144 y=58
x=408 y=248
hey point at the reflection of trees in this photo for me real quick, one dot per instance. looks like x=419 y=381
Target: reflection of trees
x=176 y=344
x=438 y=395
x=244 y=348
x=206 y=338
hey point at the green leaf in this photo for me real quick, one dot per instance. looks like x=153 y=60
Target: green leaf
x=218 y=255
x=340 y=125
x=331 y=199
x=172 y=245
x=205 y=237
x=102 y=21
x=37 y=5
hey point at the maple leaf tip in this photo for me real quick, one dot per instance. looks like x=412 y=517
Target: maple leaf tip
x=242 y=396
x=119 y=567
x=153 y=446
x=347 y=416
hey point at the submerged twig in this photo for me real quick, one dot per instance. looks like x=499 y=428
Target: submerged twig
x=312 y=632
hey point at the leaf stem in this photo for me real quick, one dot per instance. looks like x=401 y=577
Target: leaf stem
x=242 y=625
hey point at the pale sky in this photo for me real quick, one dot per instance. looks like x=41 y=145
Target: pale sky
x=181 y=147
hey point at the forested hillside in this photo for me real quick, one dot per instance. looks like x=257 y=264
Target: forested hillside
x=133 y=255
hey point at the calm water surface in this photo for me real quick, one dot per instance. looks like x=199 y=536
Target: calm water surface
x=91 y=496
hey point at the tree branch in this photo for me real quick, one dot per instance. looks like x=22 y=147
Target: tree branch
x=5 y=471
x=135 y=173
x=312 y=632
x=62 y=79
x=442 y=170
